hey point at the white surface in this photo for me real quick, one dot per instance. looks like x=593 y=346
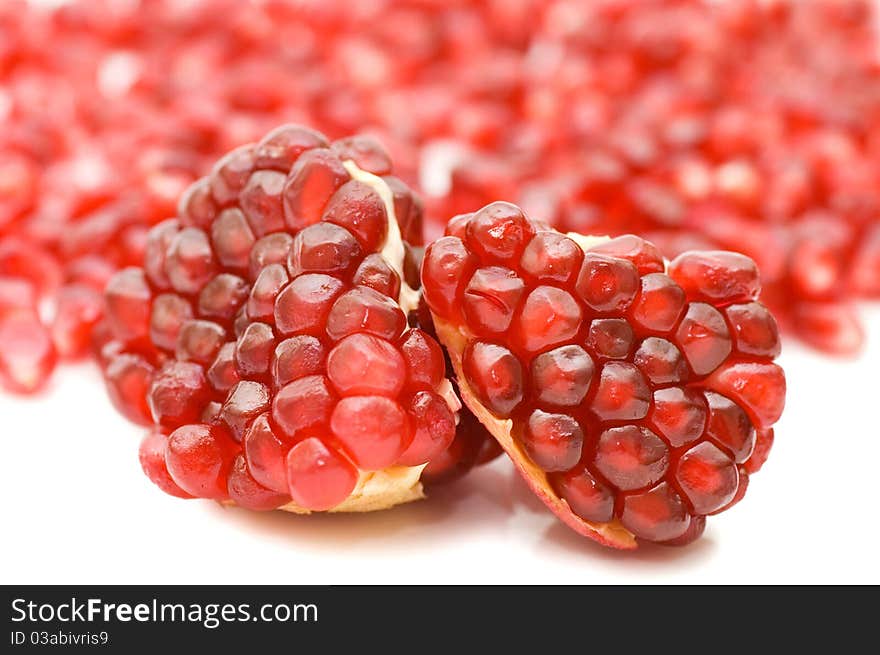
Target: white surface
x=76 y=509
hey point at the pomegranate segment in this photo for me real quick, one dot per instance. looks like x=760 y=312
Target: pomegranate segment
x=267 y=335
x=627 y=396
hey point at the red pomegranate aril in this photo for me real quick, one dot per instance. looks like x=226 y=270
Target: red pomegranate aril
x=763 y=445
x=364 y=310
x=499 y=232
x=754 y=330
x=231 y=173
x=245 y=402
x=658 y=514
x=281 y=147
x=297 y=357
x=678 y=414
x=549 y=317
x=562 y=376
x=365 y=151
x=315 y=177
x=27 y=353
x=631 y=457
x=703 y=337
x=222 y=374
x=266 y=454
x=373 y=430
x=491 y=298
x=659 y=305
x=553 y=441
x=168 y=315
x=610 y=338
x=757 y=387
x=496 y=375
x=303 y=305
x=320 y=478
x=446 y=268
x=607 y=284
x=324 y=248
x=358 y=208
x=707 y=478
x=127 y=305
x=17 y=294
x=199 y=459
x=433 y=429
x=78 y=309
x=660 y=361
x=178 y=392
x=189 y=264
x=222 y=297
x=425 y=366
x=587 y=497
x=197 y=207
x=253 y=350
x=375 y=273
x=29 y=261
x=729 y=426
x=552 y=257
x=199 y=341
x=261 y=202
x=833 y=327
x=152 y=458
x=643 y=254
x=716 y=276
x=303 y=404
x=158 y=242
x=363 y=365
x=246 y=492
x=128 y=378
x=261 y=303
x=232 y=239
x=622 y=393
x=270 y=249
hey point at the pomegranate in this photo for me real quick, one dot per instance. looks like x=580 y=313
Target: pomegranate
x=629 y=393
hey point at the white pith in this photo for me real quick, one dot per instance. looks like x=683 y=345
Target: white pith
x=395 y=485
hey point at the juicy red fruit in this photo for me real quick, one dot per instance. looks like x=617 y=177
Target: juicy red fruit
x=632 y=391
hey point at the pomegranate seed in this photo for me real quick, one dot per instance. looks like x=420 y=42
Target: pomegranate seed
x=366 y=152
x=425 y=366
x=152 y=458
x=703 y=338
x=374 y=430
x=364 y=310
x=678 y=414
x=128 y=379
x=630 y=457
x=716 y=276
x=302 y=404
x=759 y=388
x=562 y=376
x=358 y=208
x=433 y=429
x=622 y=393
x=643 y=254
x=610 y=338
x=659 y=305
x=253 y=350
x=496 y=375
x=261 y=303
x=127 y=300
x=320 y=478
x=199 y=460
x=754 y=330
x=314 y=178
x=167 y=317
x=553 y=441
x=245 y=491
x=445 y=270
x=245 y=402
x=230 y=174
x=607 y=284
x=281 y=147
x=549 y=317
x=270 y=249
x=660 y=361
x=189 y=263
x=763 y=444
x=491 y=298
x=231 y=241
x=266 y=454
x=199 y=341
x=707 y=477
x=324 y=248
x=27 y=353
x=178 y=393
x=588 y=497
x=303 y=305
x=375 y=273
x=222 y=297
x=261 y=204
x=362 y=364
x=552 y=257
x=729 y=426
x=222 y=374
x=499 y=232
x=658 y=514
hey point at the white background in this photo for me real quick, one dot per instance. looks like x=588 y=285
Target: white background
x=77 y=509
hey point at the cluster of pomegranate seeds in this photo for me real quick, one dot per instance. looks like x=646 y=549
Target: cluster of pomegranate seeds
x=266 y=338
x=640 y=394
